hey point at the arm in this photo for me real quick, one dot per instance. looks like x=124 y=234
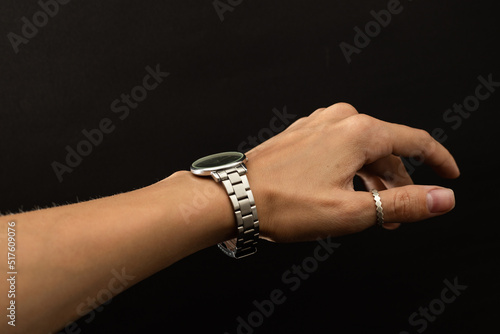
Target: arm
x=304 y=174
x=67 y=254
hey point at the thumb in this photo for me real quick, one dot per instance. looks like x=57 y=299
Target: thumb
x=409 y=204
x=413 y=203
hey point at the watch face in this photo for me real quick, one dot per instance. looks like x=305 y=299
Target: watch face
x=217 y=161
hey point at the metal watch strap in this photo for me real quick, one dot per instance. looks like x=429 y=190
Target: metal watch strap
x=236 y=184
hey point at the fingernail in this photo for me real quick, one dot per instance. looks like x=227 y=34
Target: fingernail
x=440 y=200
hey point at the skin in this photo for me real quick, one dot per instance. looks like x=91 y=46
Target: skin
x=302 y=180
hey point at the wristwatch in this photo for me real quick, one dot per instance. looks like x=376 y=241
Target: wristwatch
x=229 y=169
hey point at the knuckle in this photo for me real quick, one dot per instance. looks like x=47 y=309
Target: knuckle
x=339 y=110
x=428 y=144
x=425 y=136
x=300 y=120
x=345 y=107
x=402 y=206
x=298 y=123
x=360 y=124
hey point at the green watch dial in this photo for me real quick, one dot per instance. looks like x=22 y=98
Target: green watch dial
x=217 y=160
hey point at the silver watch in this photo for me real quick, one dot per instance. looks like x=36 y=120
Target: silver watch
x=229 y=169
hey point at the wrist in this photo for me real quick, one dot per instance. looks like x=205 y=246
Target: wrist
x=199 y=206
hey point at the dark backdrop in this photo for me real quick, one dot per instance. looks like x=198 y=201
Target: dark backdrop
x=225 y=78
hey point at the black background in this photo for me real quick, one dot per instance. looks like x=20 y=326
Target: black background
x=225 y=79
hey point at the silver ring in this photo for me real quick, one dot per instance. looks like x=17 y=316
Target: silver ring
x=378 y=204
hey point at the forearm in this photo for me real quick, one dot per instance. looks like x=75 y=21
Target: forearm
x=67 y=254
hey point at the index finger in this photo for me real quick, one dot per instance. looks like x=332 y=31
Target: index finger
x=390 y=138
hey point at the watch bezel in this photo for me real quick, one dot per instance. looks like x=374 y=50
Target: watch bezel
x=207 y=171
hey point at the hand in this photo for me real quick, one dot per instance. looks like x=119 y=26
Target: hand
x=302 y=179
